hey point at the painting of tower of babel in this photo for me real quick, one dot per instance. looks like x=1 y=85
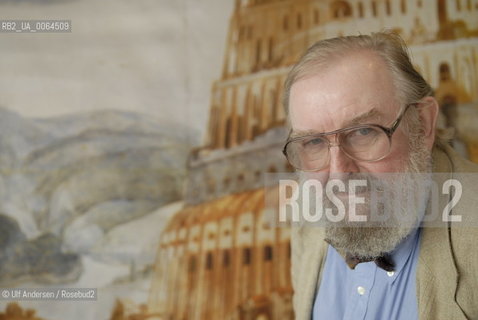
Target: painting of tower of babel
x=218 y=258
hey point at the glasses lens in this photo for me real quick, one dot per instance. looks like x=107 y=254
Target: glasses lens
x=365 y=143
x=309 y=153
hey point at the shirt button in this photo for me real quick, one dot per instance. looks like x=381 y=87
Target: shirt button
x=390 y=273
x=361 y=290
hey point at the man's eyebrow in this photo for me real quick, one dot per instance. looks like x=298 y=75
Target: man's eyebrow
x=366 y=117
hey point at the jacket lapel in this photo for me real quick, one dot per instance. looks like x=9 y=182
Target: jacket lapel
x=437 y=276
x=315 y=250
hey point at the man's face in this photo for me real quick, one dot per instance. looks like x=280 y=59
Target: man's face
x=357 y=89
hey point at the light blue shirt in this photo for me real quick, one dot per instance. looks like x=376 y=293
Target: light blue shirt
x=369 y=292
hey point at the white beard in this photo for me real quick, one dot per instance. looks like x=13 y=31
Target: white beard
x=373 y=238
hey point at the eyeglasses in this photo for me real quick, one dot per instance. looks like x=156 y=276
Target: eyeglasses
x=367 y=142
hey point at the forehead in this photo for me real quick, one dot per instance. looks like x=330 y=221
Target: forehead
x=341 y=91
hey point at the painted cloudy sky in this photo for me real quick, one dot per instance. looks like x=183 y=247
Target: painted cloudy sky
x=156 y=57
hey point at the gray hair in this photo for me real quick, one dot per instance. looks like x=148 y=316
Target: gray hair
x=409 y=84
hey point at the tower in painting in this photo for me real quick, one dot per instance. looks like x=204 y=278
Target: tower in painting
x=218 y=257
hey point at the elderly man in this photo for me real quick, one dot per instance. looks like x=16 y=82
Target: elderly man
x=356 y=106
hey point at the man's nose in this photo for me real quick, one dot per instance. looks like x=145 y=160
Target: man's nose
x=341 y=163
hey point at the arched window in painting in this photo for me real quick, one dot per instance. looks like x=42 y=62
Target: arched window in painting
x=403 y=6
x=226 y=259
x=242 y=33
x=299 y=21
x=227 y=136
x=444 y=70
x=257 y=109
x=211 y=184
x=374 y=8
x=249 y=32
x=316 y=16
x=268 y=253
x=240 y=182
x=341 y=9
x=209 y=261
x=448 y=102
x=360 y=9
x=285 y=23
x=192 y=264
x=274 y=106
x=240 y=178
x=258 y=51
x=246 y=256
x=270 y=51
x=257 y=175
x=226 y=183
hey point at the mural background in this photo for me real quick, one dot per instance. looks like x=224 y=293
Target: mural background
x=95 y=129
x=133 y=150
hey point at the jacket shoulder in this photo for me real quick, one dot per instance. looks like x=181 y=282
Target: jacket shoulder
x=464 y=236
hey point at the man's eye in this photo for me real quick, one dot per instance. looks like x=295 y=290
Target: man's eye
x=363 y=131
x=362 y=135
x=313 y=142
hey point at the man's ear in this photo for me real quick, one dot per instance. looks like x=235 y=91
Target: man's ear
x=429 y=109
